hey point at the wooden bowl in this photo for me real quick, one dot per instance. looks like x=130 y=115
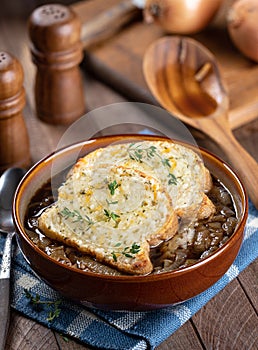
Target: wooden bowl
x=126 y=292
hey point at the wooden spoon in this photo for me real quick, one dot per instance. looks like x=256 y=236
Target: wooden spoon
x=184 y=77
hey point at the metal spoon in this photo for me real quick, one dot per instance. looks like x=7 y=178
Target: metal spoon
x=8 y=184
x=184 y=77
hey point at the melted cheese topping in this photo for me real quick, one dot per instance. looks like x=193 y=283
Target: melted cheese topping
x=138 y=203
x=179 y=169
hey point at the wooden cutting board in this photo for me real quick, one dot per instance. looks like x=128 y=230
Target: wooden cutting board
x=117 y=61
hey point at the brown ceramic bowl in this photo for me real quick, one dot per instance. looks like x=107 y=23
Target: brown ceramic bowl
x=127 y=292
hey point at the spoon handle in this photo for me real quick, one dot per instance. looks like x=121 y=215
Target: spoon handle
x=5 y=289
x=242 y=162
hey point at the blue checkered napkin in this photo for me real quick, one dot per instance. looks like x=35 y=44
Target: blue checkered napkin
x=121 y=330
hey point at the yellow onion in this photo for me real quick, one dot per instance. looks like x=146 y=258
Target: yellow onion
x=242 y=22
x=181 y=16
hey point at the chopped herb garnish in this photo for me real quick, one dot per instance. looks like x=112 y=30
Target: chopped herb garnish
x=88 y=219
x=53 y=314
x=129 y=252
x=114 y=256
x=112 y=186
x=110 y=202
x=52 y=305
x=166 y=162
x=111 y=215
x=67 y=213
x=135 y=248
x=136 y=152
x=172 y=179
x=64 y=338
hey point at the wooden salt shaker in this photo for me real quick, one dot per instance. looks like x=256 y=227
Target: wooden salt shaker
x=56 y=49
x=14 y=141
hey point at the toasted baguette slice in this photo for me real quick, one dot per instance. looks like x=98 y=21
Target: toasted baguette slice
x=179 y=169
x=113 y=214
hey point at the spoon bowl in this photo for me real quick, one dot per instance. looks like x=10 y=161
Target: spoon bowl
x=184 y=77
x=8 y=184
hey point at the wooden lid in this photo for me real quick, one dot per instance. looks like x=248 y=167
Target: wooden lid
x=53 y=28
x=11 y=76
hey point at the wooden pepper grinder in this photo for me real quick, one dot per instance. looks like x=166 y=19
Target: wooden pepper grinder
x=55 y=32
x=14 y=141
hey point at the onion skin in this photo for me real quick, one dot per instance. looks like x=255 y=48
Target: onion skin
x=181 y=16
x=242 y=23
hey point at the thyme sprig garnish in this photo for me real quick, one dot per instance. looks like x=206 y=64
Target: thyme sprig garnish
x=112 y=186
x=128 y=252
x=172 y=179
x=136 y=152
x=111 y=215
x=114 y=256
x=66 y=339
x=67 y=213
x=54 y=311
x=111 y=202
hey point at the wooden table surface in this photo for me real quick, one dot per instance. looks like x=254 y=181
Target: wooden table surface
x=229 y=320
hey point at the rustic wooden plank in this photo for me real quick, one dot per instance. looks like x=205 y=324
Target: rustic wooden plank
x=249 y=282
x=228 y=321
x=25 y=333
x=67 y=343
x=184 y=338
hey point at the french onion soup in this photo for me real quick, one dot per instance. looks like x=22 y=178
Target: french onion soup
x=132 y=208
